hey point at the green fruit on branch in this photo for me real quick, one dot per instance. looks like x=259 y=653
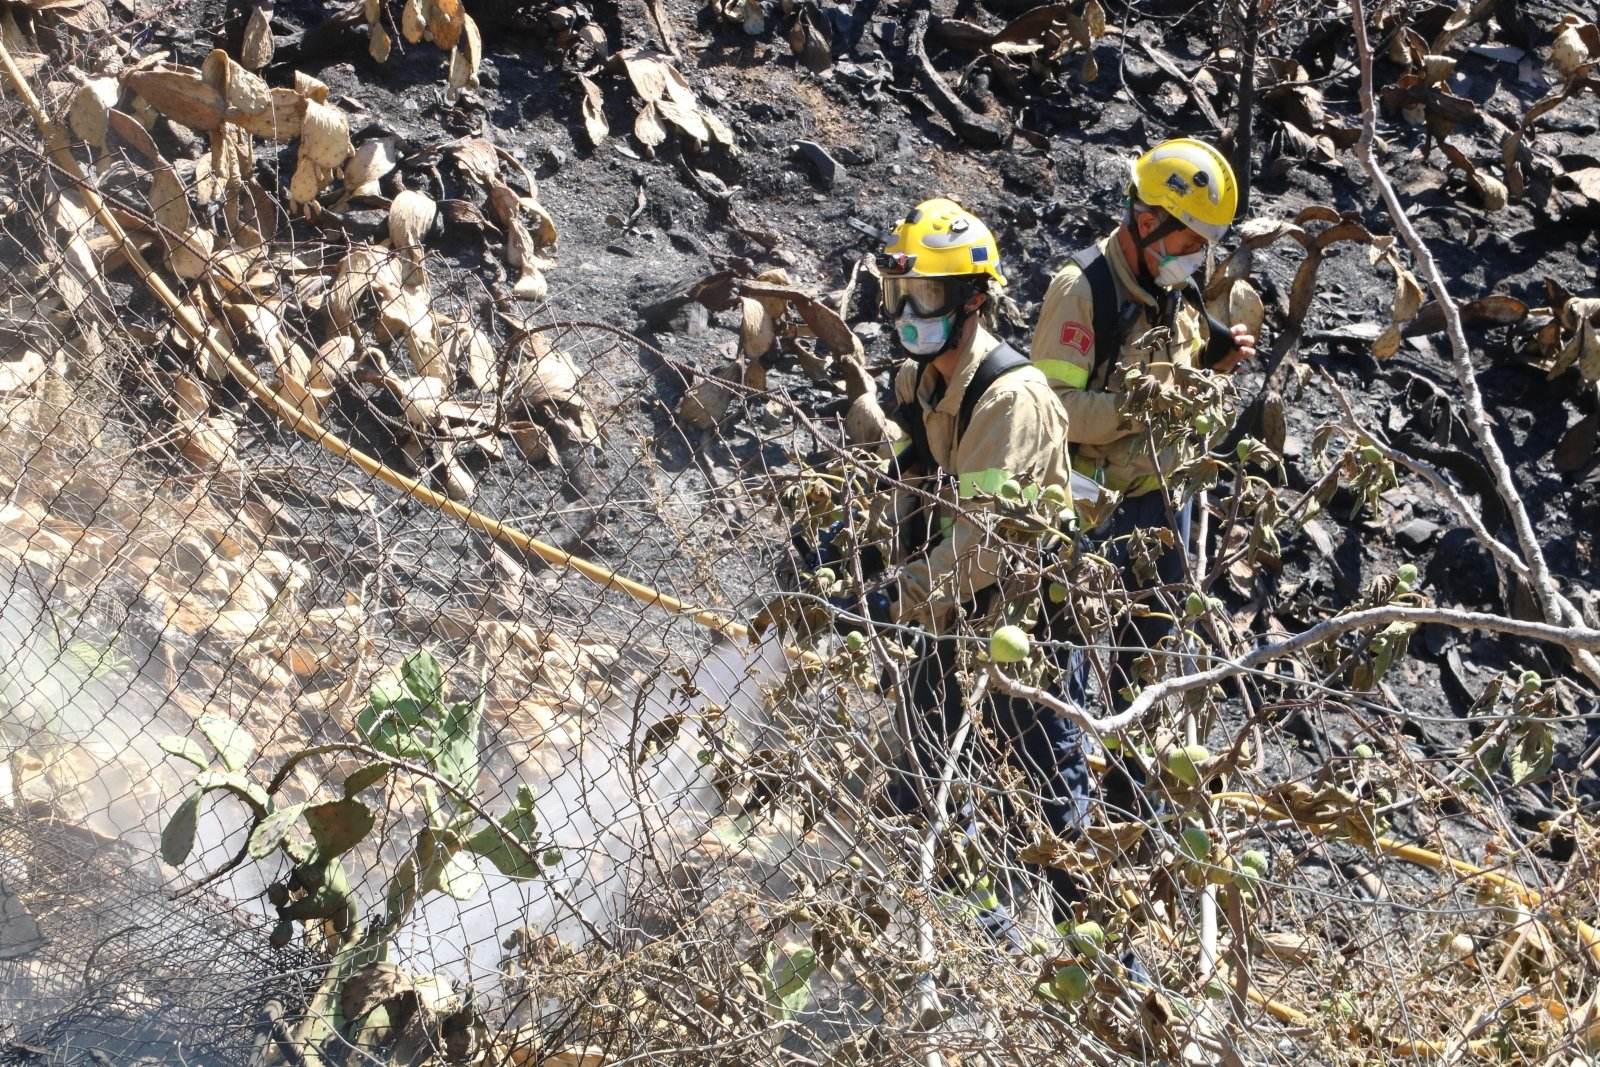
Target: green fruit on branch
x=1363 y=751
x=1195 y=844
x=826 y=577
x=1531 y=681
x=1088 y=938
x=1254 y=860
x=1204 y=423
x=1054 y=496
x=1009 y=644
x=1010 y=489
x=1057 y=593
x=1194 y=606
x=856 y=641
x=1406 y=577
x=1184 y=763
x=1070 y=984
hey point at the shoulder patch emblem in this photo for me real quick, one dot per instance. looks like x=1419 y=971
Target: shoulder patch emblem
x=1077 y=335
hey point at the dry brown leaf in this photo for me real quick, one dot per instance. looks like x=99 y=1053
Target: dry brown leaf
x=478 y=158
x=458 y=481
x=410 y=217
x=190 y=398
x=533 y=441
x=1576 y=43
x=594 y=114
x=335 y=360
x=705 y=403
x=133 y=134
x=660 y=84
x=379 y=44
x=352 y=280
x=209 y=443
x=81 y=277
x=413 y=21
x=647 y=127
x=466 y=56
x=169 y=201
x=89 y=116
x=757 y=333
x=521 y=250
x=370 y=164
x=326 y=136
x=446 y=20
x=465 y=345
x=310 y=87
x=180 y=94
x=255 y=51
x=1581 y=315
x=419 y=398
x=543 y=373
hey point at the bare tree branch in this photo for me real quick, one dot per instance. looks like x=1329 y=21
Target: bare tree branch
x=1575 y=639
x=1544 y=587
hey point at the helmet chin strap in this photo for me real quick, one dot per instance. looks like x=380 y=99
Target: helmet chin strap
x=1169 y=224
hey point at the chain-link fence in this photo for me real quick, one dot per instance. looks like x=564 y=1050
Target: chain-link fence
x=313 y=754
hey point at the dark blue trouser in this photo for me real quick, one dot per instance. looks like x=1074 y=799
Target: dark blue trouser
x=1144 y=512
x=1048 y=750
x=1122 y=790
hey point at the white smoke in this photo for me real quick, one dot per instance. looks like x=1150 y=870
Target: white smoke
x=74 y=704
x=612 y=824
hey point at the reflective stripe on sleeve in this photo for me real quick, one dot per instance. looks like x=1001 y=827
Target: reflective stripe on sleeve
x=1068 y=373
x=985 y=481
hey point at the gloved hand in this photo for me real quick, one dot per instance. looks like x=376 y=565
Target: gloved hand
x=825 y=553
x=874 y=603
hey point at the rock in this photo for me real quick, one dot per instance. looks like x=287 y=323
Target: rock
x=1416 y=534
x=825 y=167
x=691 y=320
x=1462 y=569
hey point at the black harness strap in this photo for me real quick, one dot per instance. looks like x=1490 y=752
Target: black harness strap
x=917 y=458
x=998 y=363
x=1107 y=323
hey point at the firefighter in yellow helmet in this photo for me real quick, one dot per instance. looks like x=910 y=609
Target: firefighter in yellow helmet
x=979 y=421
x=1100 y=318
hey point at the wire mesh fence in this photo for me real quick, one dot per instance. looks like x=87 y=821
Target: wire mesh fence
x=315 y=757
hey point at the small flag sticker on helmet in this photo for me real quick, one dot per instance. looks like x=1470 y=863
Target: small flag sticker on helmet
x=980 y=254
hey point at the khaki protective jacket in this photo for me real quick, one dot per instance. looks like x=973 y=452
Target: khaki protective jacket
x=1165 y=333
x=1018 y=430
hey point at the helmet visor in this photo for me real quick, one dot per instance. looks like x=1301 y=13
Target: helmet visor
x=927 y=296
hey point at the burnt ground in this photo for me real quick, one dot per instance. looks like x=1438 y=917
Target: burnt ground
x=632 y=500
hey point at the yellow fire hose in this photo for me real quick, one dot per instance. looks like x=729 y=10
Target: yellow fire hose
x=607 y=578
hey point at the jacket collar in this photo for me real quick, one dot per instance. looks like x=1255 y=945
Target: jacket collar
x=983 y=342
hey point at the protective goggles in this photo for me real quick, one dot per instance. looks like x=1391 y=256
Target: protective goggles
x=927 y=296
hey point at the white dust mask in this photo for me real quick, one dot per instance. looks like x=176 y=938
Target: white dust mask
x=1175 y=270
x=921 y=335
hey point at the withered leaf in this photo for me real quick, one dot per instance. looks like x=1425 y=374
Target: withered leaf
x=180 y=94
x=593 y=108
x=447 y=20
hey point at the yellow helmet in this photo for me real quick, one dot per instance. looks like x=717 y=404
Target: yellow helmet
x=1191 y=181
x=942 y=239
